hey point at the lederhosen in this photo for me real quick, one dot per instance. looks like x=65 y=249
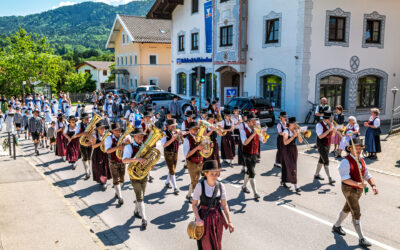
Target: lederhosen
x=279 y=145
x=324 y=144
x=215 y=153
x=227 y=144
x=352 y=193
x=117 y=168
x=73 y=153
x=194 y=162
x=60 y=142
x=139 y=186
x=250 y=152
x=171 y=153
x=100 y=168
x=214 y=221
x=289 y=161
x=240 y=148
x=85 y=151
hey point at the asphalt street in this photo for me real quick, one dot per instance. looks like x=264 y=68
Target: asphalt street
x=281 y=219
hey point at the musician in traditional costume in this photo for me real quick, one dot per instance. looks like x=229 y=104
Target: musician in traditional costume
x=146 y=126
x=240 y=145
x=251 y=142
x=192 y=107
x=35 y=129
x=209 y=201
x=100 y=164
x=117 y=167
x=322 y=108
x=324 y=130
x=139 y=186
x=194 y=160
x=86 y=151
x=227 y=142
x=280 y=127
x=72 y=148
x=354 y=175
x=213 y=133
x=290 y=154
x=189 y=118
x=338 y=118
x=372 y=135
x=170 y=144
x=203 y=115
x=60 y=149
x=352 y=130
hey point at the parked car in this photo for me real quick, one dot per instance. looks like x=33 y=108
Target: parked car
x=116 y=91
x=145 y=88
x=164 y=98
x=258 y=105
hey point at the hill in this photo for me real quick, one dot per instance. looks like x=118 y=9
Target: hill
x=76 y=27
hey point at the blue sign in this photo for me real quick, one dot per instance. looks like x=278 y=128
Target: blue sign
x=208 y=19
x=230 y=93
x=193 y=60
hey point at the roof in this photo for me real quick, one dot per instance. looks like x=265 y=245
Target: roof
x=96 y=64
x=162 y=9
x=140 y=30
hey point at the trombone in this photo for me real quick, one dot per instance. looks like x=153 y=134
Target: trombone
x=304 y=135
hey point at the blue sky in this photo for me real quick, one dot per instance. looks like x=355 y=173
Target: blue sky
x=26 y=7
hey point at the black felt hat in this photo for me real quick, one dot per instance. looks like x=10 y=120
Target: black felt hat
x=227 y=112
x=138 y=131
x=292 y=120
x=192 y=125
x=100 y=124
x=72 y=117
x=84 y=116
x=189 y=113
x=170 y=122
x=210 y=116
x=211 y=165
x=115 y=126
x=356 y=142
x=282 y=114
x=327 y=115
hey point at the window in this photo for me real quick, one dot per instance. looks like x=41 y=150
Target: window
x=222 y=1
x=194 y=91
x=87 y=71
x=117 y=60
x=272 y=87
x=368 y=92
x=126 y=60
x=195 y=41
x=181 y=43
x=136 y=83
x=123 y=38
x=333 y=88
x=130 y=59
x=153 y=81
x=226 y=36
x=373 y=32
x=337 y=29
x=104 y=72
x=195 y=6
x=153 y=59
x=136 y=60
x=131 y=83
x=122 y=60
x=181 y=83
x=272 y=31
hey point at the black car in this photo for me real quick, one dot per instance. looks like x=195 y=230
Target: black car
x=259 y=106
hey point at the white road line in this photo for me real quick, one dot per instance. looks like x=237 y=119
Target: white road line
x=374 y=242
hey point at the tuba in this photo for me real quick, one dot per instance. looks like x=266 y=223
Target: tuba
x=204 y=140
x=86 y=139
x=103 y=138
x=129 y=129
x=136 y=170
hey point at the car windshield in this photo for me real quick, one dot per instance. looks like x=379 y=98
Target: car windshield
x=140 y=89
x=154 y=88
x=260 y=103
x=241 y=103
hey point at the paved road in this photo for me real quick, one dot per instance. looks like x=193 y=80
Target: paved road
x=280 y=220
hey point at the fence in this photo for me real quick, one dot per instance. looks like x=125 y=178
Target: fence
x=83 y=97
x=395 y=123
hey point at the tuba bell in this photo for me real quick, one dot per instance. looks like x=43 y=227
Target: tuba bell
x=204 y=140
x=138 y=171
x=86 y=139
x=129 y=129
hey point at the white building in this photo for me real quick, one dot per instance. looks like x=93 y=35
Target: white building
x=99 y=70
x=293 y=52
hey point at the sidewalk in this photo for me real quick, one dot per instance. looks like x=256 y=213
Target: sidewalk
x=33 y=215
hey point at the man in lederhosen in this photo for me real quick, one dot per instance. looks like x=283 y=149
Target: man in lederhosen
x=86 y=152
x=281 y=126
x=353 y=175
x=324 y=130
x=35 y=129
x=171 y=146
x=117 y=167
x=146 y=126
x=194 y=160
x=251 y=143
x=139 y=186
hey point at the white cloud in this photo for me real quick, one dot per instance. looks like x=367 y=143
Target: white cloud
x=62 y=4
x=115 y=2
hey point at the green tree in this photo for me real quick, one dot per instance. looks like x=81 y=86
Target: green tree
x=90 y=84
x=75 y=82
x=111 y=77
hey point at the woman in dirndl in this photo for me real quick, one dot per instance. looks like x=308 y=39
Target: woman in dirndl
x=213 y=134
x=290 y=154
x=372 y=135
x=60 y=149
x=279 y=139
x=211 y=195
x=352 y=130
x=227 y=141
x=73 y=150
x=100 y=168
x=336 y=138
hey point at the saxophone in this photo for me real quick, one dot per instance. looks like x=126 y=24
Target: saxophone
x=86 y=139
x=129 y=129
x=103 y=138
x=204 y=140
x=138 y=171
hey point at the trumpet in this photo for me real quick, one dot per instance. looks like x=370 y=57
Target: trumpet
x=261 y=131
x=219 y=129
x=178 y=131
x=304 y=135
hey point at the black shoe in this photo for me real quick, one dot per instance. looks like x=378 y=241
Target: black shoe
x=283 y=184
x=331 y=181
x=185 y=166
x=74 y=166
x=374 y=157
x=37 y=152
x=298 y=190
x=245 y=190
x=137 y=215
x=120 y=201
x=318 y=177
x=364 y=243
x=87 y=176
x=144 y=224
x=243 y=171
x=339 y=157
x=151 y=179
x=277 y=166
x=168 y=185
x=225 y=163
x=189 y=198
x=338 y=230
x=176 y=191
x=104 y=187
x=256 y=196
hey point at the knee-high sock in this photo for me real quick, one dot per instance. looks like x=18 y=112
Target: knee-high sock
x=142 y=210
x=357 y=227
x=326 y=167
x=173 y=180
x=118 y=191
x=136 y=206
x=319 y=166
x=168 y=179
x=190 y=190
x=36 y=146
x=253 y=185
x=342 y=217
x=246 y=179
x=85 y=165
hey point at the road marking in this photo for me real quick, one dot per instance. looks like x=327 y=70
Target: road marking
x=374 y=242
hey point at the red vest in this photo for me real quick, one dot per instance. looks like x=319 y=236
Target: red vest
x=254 y=144
x=354 y=173
x=135 y=149
x=196 y=157
x=113 y=154
x=327 y=139
x=173 y=147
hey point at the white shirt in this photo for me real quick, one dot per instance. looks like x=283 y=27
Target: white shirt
x=222 y=123
x=377 y=122
x=186 y=144
x=128 y=151
x=317 y=109
x=60 y=125
x=236 y=120
x=183 y=126
x=209 y=191
x=108 y=142
x=344 y=170
x=288 y=132
x=280 y=127
x=243 y=136
x=319 y=129
x=66 y=128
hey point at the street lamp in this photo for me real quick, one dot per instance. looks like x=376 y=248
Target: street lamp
x=394 y=91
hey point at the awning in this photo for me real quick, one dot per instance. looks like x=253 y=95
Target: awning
x=120 y=71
